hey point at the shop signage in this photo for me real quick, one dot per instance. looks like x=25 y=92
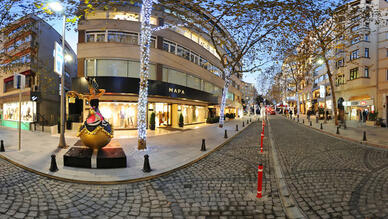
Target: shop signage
x=176 y=91
x=58 y=59
x=322 y=91
x=362 y=103
x=35 y=96
x=159 y=88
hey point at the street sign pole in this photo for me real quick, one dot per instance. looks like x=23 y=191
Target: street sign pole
x=19 y=83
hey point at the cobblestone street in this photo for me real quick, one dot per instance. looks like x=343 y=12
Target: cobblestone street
x=223 y=184
x=329 y=177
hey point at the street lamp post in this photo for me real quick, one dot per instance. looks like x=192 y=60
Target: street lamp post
x=57 y=7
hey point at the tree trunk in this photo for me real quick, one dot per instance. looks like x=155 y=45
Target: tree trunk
x=223 y=100
x=145 y=42
x=332 y=92
x=298 y=103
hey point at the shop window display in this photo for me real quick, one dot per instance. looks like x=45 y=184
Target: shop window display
x=162 y=113
x=193 y=114
x=120 y=115
x=11 y=111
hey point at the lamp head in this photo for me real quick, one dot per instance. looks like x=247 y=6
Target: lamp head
x=56 y=6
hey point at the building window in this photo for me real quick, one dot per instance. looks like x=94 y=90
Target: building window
x=366 y=52
x=340 y=80
x=366 y=72
x=340 y=63
x=123 y=37
x=366 y=37
x=354 y=54
x=354 y=73
x=386 y=74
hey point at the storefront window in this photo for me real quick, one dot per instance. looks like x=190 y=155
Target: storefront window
x=120 y=115
x=133 y=69
x=193 y=114
x=11 y=111
x=162 y=113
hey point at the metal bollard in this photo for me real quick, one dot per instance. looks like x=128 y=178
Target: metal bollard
x=364 y=138
x=321 y=126
x=303 y=121
x=146 y=166
x=261 y=142
x=236 y=128
x=337 y=130
x=53 y=166
x=226 y=134
x=203 y=147
x=311 y=123
x=2 y=146
x=243 y=124
x=259 y=181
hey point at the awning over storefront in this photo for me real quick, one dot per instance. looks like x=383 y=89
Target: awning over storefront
x=362 y=97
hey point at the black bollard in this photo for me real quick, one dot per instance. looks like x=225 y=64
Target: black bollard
x=2 y=146
x=364 y=138
x=236 y=128
x=243 y=124
x=321 y=126
x=338 y=130
x=146 y=166
x=250 y=120
x=203 y=147
x=247 y=121
x=303 y=121
x=53 y=166
x=226 y=134
x=311 y=123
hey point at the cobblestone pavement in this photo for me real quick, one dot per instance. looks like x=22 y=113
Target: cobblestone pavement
x=329 y=177
x=223 y=184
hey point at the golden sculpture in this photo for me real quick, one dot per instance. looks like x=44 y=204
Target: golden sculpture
x=95 y=132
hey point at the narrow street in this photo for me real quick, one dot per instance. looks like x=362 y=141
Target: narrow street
x=329 y=177
x=222 y=184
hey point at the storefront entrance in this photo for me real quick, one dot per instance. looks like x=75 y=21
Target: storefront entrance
x=162 y=113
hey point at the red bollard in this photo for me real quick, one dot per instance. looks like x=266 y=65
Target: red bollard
x=259 y=181
x=261 y=147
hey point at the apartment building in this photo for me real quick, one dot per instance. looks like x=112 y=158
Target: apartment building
x=27 y=48
x=185 y=76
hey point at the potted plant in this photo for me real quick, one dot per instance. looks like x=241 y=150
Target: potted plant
x=152 y=121
x=181 y=122
x=372 y=117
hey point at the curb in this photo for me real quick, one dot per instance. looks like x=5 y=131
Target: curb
x=292 y=210
x=345 y=138
x=129 y=180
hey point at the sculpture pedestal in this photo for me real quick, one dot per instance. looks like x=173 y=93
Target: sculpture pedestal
x=107 y=157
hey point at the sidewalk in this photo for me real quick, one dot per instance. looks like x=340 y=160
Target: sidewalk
x=376 y=136
x=167 y=151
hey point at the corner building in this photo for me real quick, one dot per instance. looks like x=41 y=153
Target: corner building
x=185 y=76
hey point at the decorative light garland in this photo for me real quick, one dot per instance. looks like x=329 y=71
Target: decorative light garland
x=145 y=43
x=224 y=95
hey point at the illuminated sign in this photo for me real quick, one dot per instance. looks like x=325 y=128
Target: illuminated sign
x=362 y=103
x=322 y=91
x=176 y=91
x=58 y=59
